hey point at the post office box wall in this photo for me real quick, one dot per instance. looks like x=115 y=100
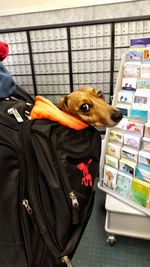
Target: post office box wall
x=54 y=61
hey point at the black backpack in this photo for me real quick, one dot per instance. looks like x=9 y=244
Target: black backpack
x=47 y=172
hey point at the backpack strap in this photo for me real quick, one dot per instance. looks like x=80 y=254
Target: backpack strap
x=31 y=178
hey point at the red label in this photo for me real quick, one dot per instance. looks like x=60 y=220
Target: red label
x=87 y=178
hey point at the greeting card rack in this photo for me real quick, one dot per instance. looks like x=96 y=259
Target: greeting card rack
x=121 y=173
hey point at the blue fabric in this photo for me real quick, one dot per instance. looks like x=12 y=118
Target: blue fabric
x=7 y=85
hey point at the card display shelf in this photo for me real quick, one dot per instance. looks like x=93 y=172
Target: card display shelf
x=123 y=217
x=124 y=220
x=112 y=193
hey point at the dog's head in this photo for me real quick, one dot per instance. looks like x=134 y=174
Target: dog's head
x=88 y=105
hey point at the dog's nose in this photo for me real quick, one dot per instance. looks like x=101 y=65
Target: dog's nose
x=116 y=115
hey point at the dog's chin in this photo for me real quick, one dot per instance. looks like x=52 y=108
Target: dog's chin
x=111 y=124
x=100 y=124
x=97 y=123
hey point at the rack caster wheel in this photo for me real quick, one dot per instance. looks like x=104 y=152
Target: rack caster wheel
x=111 y=239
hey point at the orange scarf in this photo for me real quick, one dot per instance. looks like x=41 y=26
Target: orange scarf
x=44 y=109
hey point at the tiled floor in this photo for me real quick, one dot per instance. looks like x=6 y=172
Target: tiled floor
x=93 y=251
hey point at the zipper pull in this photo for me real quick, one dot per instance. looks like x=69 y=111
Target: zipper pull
x=28 y=109
x=25 y=203
x=75 y=205
x=75 y=202
x=67 y=261
x=15 y=112
x=13 y=98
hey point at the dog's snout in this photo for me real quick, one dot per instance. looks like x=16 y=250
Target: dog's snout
x=116 y=115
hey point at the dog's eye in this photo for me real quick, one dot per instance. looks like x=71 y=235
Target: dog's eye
x=85 y=107
x=100 y=94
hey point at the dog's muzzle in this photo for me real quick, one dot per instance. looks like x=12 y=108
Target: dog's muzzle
x=116 y=116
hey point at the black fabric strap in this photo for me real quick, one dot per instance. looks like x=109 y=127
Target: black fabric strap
x=31 y=170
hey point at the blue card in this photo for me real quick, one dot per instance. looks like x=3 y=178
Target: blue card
x=138 y=114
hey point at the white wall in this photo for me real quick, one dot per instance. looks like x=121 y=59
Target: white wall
x=10 y=7
x=78 y=14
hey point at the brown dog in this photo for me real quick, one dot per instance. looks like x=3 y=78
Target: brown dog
x=88 y=105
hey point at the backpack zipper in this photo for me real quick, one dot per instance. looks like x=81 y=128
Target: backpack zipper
x=29 y=156
x=23 y=219
x=70 y=194
x=75 y=202
x=75 y=207
x=24 y=228
x=38 y=212
x=64 y=259
x=26 y=239
x=16 y=114
x=35 y=210
x=25 y=233
x=67 y=261
x=77 y=154
x=25 y=203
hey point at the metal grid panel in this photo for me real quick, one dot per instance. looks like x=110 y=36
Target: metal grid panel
x=55 y=61
x=18 y=61
x=91 y=56
x=50 y=62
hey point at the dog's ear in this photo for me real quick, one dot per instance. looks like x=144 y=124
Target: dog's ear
x=63 y=103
